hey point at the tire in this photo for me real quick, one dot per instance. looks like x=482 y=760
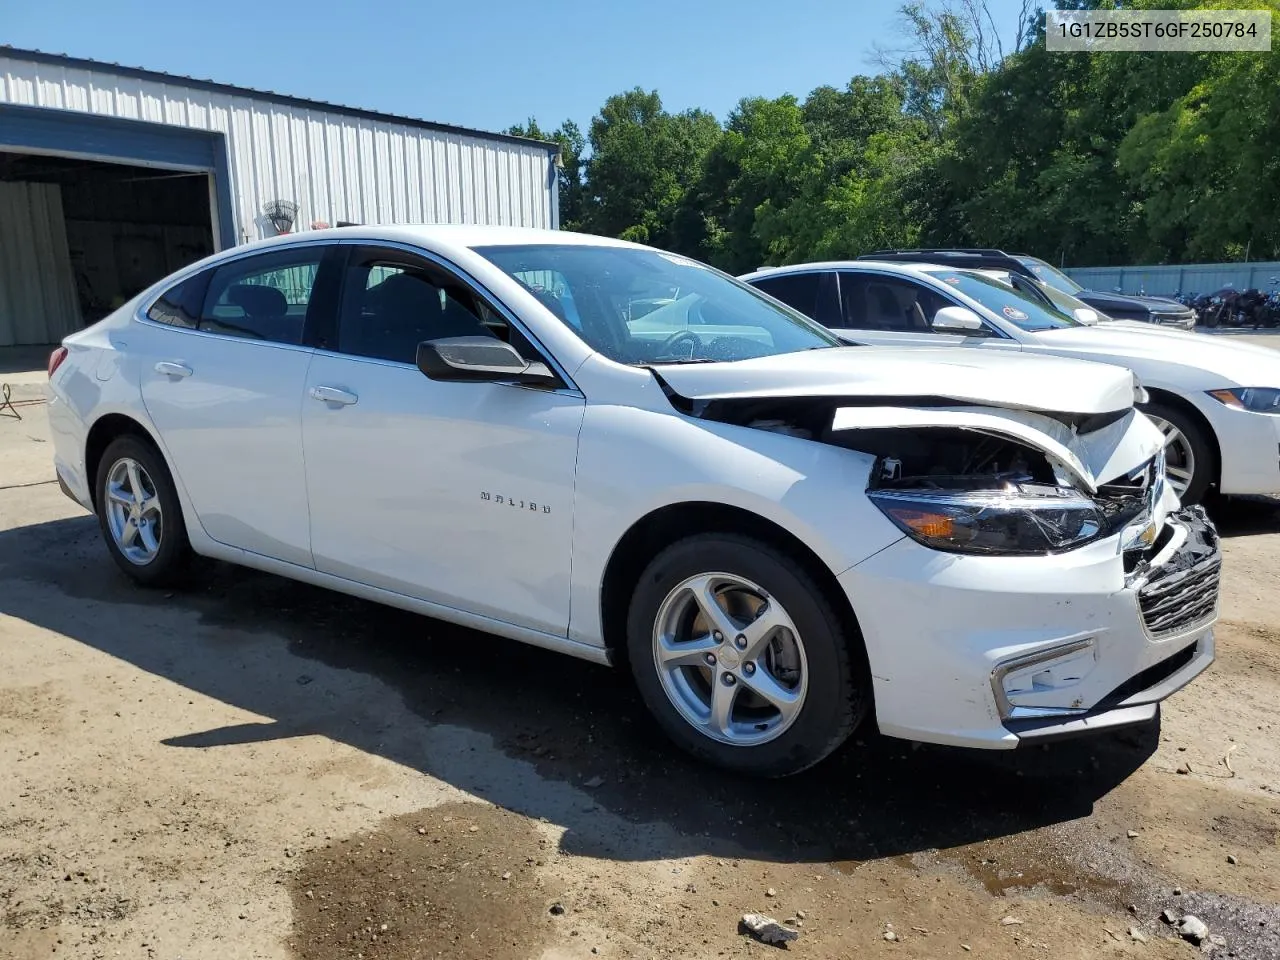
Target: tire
x=1197 y=442
x=166 y=563
x=832 y=686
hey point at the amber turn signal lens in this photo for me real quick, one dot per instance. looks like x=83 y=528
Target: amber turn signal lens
x=936 y=526
x=1228 y=397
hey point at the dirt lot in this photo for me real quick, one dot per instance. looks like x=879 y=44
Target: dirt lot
x=256 y=768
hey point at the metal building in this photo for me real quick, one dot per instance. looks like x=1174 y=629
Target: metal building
x=112 y=177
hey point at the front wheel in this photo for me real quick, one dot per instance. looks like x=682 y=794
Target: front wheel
x=139 y=512
x=1191 y=462
x=741 y=658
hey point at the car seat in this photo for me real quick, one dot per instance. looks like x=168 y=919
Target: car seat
x=884 y=312
x=266 y=312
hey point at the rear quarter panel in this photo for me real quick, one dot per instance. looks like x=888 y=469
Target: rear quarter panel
x=101 y=377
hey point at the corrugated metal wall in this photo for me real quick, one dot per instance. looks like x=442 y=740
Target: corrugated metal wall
x=1163 y=281
x=335 y=166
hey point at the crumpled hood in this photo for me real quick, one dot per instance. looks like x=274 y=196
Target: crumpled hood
x=989 y=377
x=1146 y=347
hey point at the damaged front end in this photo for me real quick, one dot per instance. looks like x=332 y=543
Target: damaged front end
x=1110 y=604
x=1011 y=483
x=981 y=479
x=977 y=491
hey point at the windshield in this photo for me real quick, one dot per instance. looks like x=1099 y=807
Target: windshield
x=1023 y=310
x=1038 y=288
x=642 y=306
x=1050 y=275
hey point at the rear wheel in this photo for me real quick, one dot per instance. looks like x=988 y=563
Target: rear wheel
x=1190 y=460
x=139 y=512
x=741 y=658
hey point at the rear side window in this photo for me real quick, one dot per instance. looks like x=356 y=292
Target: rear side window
x=816 y=295
x=179 y=306
x=264 y=297
x=799 y=290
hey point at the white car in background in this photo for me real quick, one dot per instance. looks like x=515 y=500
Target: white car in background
x=1216 y=400
x=778 y=535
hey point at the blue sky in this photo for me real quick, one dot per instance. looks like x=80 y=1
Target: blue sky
x=486 y=63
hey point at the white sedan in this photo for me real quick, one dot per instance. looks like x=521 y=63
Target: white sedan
x=1216 y=400
x=626 y=456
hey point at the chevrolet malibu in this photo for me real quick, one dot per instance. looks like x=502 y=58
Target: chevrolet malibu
x=626 y=456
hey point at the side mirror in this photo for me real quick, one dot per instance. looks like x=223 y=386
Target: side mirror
x=479 y=359
x=1086 y=315
x=958 y=320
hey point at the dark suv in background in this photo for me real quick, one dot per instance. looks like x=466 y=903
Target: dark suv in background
x=1117 y=306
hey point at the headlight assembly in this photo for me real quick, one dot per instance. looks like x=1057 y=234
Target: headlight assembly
x=1018 y=523
x=1254 y=399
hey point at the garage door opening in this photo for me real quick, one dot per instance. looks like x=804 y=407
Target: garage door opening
x=84 y=236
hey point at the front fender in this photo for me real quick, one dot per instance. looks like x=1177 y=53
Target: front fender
x=633 y=462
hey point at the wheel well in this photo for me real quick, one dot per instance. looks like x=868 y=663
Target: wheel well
x=104 y=430
x=1186 y=407
x=665 y=526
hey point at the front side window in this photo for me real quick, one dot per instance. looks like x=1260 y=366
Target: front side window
x=390 y=304
x=1030 y=313
x=263 y=297
x=641 y=306
x=880 y=302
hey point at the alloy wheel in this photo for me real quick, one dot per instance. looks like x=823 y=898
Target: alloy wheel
x=1180 y=458
x=134 y=516
x=730 y=659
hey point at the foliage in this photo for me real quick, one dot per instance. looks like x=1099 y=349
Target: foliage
x=1083 y=158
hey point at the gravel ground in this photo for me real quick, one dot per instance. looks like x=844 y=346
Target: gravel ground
x=257 y=768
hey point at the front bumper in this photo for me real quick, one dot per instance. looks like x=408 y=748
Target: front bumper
x=1176 y=321
x=1250 y=445
x=997 y=651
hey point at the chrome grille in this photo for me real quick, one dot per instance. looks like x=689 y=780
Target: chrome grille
x=1179 y=602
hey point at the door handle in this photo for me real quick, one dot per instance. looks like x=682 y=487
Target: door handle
x=333 y=395
x=170 y=369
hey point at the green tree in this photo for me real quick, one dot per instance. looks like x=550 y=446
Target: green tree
x=643 y=161
x=1206 y=168
x=1090 y=158
x=755 y=169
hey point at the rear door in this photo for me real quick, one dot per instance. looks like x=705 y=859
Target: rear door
x=224 y=364
x=814 y=293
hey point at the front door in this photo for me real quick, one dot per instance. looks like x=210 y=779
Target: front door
x=455 y=493
x=224 y=363
x=888 y=310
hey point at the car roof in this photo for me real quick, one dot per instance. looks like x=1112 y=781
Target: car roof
x=442 y=236
x=906 y=269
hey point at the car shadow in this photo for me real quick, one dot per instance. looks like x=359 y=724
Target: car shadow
x=1245 y=516
x=258 y=642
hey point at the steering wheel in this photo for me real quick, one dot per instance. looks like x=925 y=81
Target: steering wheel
x=680 y=336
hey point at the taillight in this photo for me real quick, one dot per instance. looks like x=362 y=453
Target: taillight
x=55 y=360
